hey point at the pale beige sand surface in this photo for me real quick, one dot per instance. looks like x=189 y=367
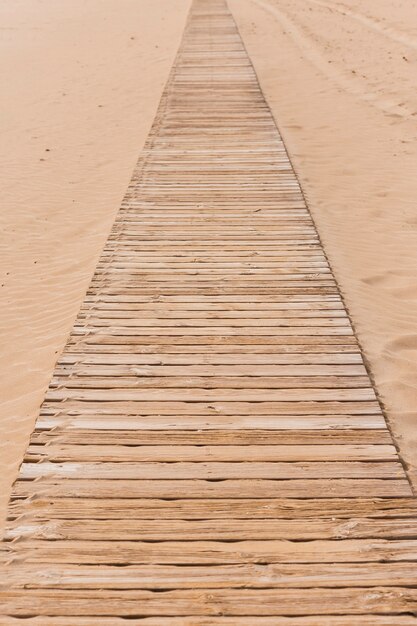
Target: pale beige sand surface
x=340 y=78
x=81 y=82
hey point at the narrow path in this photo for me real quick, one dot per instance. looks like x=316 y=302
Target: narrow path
x=210 y=449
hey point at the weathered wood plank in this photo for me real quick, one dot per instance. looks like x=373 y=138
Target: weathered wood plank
x=205 y=552
x=243 y=508
x=57 y=452
x=268 y=362
x=87 y=404
x=182 y=470
x=215 y=488
x=343 y=601
x=229 y=370
x=229 y=343
x=205 y=437
x=86 y=419
x=164 y=396
x=311 y=620
x=229 y=530
x=226 y=330
x=247 y=576
x=209 y=382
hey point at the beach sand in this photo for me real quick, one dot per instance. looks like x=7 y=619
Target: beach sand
x=83 y=83
x=340 y=78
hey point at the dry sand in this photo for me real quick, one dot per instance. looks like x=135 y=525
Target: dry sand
x=340 y=78
x=83 y=82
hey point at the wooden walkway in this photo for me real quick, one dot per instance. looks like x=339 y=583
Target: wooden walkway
x=210 y=449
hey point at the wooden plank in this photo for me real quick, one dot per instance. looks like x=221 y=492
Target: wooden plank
x=246 y=322
x=57 y=452
x=215 y=488
x=297 y=343
x=243 y=508
x=340 y=361
x=212 y=470
x=83 y=403
x=215 y=288
x=209 y=382
x=383 y=601
x=87 y=419
x=248 y=576
x=225 y=330
x=320 y=316
x=262 y=370
x=311 y=620
x=193 y=530
x=224 y=437
x=216 y=299
x=285 y=396
x=104 y=552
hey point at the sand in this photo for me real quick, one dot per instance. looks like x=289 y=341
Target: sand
x=83 y=83
x=340 y=78
x=83 y=79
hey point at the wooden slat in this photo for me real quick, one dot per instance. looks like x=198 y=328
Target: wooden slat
x=212 y=470
x=248 y=576
x=229 y=530
x=229 y=453
x=212 y=437
x=215 y=488
x=230 y=370
x=121 y=404
x=229 y=602
x=212 y=553
x=211 y=449
x=88 y=419
x=243 y=508
x=311 y=620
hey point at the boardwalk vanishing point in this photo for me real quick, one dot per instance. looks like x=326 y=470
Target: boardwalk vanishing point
x=211 y=449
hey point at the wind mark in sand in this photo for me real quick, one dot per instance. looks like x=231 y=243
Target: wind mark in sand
x=344 y=79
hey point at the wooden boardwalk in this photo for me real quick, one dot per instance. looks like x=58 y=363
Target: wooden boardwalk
x=210 y=449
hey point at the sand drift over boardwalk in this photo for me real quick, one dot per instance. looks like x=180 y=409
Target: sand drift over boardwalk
x=210 y=448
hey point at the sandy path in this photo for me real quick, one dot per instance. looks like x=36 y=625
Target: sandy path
x=340 y=78
x=83 y=82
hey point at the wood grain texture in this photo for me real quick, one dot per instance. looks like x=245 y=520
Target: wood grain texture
x=311 y=620
x=211 y=450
